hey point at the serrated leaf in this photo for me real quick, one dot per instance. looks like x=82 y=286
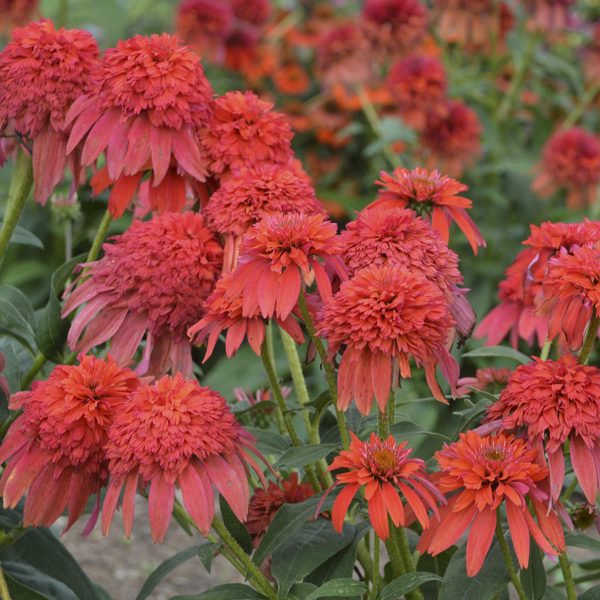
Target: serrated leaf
x=406 y=583
x=339 y=588
x=295 y=458
x=229 y=591
x=498 y=352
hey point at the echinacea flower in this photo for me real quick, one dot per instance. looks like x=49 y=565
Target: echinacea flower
x=291 y=79
x=176 y=434
x=255 y=12
x=55 y=450
x=43 y=70
x=383 y=317
x=152 y=280
x=244 y=130
x=16 y=13
x=265 y=503
x=570 y=160
x=555 y=403
x=387 y=473
x=418 y=85
x=549 y=16
x=571 y=293
x=490 y=379
x=433 y=194
x=452 y=138
x=487 y=472
x=144 y=113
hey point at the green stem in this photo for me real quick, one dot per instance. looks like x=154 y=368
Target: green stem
x=38 y=363
x=398 y=566
x=20 y=186
x=510 y=567
x=590 y=338
x=581 y=106
x=63 y=13
x=329 y=374
x=364 y=558
x=376 y=579
x=546 y=349
x=99 y=238
x=565 y=567
x=383 y=426
x=570 y=489
x=289 y=346
x=4 y=593
x=269 y=344
x=252 y=571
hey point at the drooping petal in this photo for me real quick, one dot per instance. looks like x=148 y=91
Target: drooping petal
x=161 y=499
x=519 y=532
x=480 y=539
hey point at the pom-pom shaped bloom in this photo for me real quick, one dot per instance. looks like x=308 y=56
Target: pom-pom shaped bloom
x=149 y=100
x=432 y=194
x=395 y=26
x=486 y=472
x=384 y=316
x=418 y=86
x=43 y=70
x=570 y=160
x=571 y=293
x=205 y=25
x=265 y=503
x=16 y=13
x=224 y=311
x=177 y=434
x=555 y=402
x=452 y=138
x=490 y=380
x=244 y=130
x=55 y=448
x=387 y=472
x=277 y=256
x=152 y=279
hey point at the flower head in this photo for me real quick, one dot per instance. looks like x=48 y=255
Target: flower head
x=555 y=402
x=55 y=449
x=432 y=194
x=571 y=160
x=487 y=472
x=144 y=113
x=383 y=316
x=152 y=279
x=452 y=137
x=550 y=16
x=177 y=434
x=43 y=70
x=387 y=472
x=244 y=130
x=255 y=12
x=291 y=79
x=490 y=380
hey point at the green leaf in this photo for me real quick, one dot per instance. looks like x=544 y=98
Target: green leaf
x=21 y=591
x=306 y=549
x=16 y=316
x=229 y=591
x=28 y=582
x=498 y=352
x=269 y=442
x=300 y=591
x=491 y=580
x=206 y=553
x=591 y=594
x=295 y=458
x=339 y=588
x=553 y=594
x=26 y=238
x=582 y=541
x=406 y=583
x=235 y=526
x=534 y=577
x=51 y=329
x=166 y=567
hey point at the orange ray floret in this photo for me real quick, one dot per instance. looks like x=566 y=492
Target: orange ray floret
x=384 y=469
x=485 y=473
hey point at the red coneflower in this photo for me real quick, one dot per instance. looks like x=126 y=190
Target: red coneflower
x=432 y=194
x=255 y=12
x=387 y=472
x=570 y=160
x=265 y=503
x=177 y=434
x=452 y=138
x=278 y=255
x=205 y=25
x=418 y=86
x=249 y=194
x=152 y=279
x=556 y=402
x=490 y=380
x=149 y=100
x=16 y=13
x=222 y=311
x=43 y=70
x=383 y=316
x=488 y=472
x=55 y=449
x=244 y=130
x=571 y=293
x=552 y=16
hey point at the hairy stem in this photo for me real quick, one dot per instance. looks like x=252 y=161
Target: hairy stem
x=545 y=353
x=376 y=578
x=508 y=561
x=565 y=567
x=38 y=363
x=407 y=560
x=99 y=238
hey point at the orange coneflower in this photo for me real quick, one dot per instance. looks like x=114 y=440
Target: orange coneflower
x=555 y=403
x=486 y=473
x=205 y=449
x=43 y=70
x=383 y=317
x=152 y=280
x=150 y=125
x=291 y=79
x=387 y=472
x=571 y=160
x=433 y=194
x=55 y=451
